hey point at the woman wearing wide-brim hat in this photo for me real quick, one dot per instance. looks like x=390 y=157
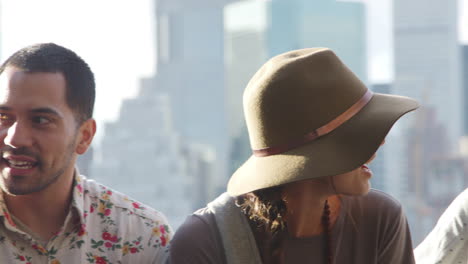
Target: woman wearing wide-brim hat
x=304 y=194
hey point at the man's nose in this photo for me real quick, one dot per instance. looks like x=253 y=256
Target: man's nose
x=18 y=135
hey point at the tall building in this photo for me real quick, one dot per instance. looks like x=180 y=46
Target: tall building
x=465 y=87
x=427 y=59
x=338 y=25
x=427 y=68
x=378 y=166
x=464 y=143
x=245 y=53
x=448 y=178
x=85 y=161
x=144 y=156
x=190 y=69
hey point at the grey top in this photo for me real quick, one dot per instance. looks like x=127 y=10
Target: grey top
x=369 y=229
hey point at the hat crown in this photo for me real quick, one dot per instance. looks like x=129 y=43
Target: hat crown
x=296 y=93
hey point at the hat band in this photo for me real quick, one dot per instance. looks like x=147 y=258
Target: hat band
x=323 y=130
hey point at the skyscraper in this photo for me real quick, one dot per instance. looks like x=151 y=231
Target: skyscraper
x=144 y=156
x=427 y=59
x=427 y=68
x=465 y=87
x=378 y=165
x=190 y=69
x=85 y=161
x=338 y=25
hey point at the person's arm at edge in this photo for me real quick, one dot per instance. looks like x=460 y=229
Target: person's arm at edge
x=447 y=241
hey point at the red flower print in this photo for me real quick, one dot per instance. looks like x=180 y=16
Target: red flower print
x=21 y=258
x=109 y=192
x=133 y=250
x=137 y=243
x=39 y=248
x=162 y=229
x=107 y=212
x=8 y=218
x=82 y=230
x=136 y=205
x=100 y=260
x=114 y=239
x=108 y=244
x=163 y=241
x=80 y=188
x=106 y=236
x=91 y=209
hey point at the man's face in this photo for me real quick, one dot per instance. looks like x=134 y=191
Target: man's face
x=38 y=131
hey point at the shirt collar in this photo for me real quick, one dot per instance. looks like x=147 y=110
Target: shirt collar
x=77 y=202
x=5 y=214
x=78 y=196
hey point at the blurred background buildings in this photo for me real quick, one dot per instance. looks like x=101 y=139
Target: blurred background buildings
x=205 y=60
x=179 y=140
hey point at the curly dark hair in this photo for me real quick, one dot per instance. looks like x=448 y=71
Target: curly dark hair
x=266 y=211
x=265 y=207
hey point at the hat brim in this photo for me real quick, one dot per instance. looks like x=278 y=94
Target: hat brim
x=344 y=149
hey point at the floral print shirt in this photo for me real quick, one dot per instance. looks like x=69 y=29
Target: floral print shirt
x=103 y=226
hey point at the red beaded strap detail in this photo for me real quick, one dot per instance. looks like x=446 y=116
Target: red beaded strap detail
x=323 y=130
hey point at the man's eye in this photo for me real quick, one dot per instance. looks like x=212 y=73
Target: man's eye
x=5 y=119
x=41 y=120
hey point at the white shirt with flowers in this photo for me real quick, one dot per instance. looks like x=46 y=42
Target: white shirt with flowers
x=103 y=226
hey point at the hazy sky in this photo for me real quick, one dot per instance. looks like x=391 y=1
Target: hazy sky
x=379 y=28
x=116 y=38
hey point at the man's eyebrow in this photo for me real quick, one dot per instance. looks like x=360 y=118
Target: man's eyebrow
x=45 y=110
x=39 y=110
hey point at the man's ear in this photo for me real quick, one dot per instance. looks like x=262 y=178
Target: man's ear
x=85 y=136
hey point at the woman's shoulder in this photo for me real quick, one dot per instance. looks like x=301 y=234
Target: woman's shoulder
x=377 y=197
x=380 y=198
x=376 y=203
x=197 y=240
x=199 y=224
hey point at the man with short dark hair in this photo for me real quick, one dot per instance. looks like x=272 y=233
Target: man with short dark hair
x=49 y=213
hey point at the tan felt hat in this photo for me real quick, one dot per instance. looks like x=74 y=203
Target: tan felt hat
x=309 y=116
